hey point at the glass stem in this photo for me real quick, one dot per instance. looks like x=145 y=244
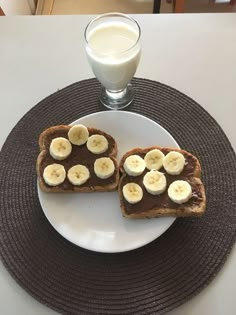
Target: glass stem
x=116 y=94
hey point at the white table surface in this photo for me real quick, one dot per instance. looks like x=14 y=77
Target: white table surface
x=194 y=53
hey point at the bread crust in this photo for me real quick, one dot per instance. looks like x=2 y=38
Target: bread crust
x=184 y=210
x=43 y=147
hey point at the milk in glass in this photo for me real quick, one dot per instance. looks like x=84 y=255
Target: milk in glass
x=113 y=51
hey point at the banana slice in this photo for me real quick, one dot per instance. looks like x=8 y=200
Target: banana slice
x=132 y=192
x=78 y=134
x=154 y=159
x=97 y=144
x=134 y=165
x=174 y=162
x=104 y=167
x=78 y=174
x=60 y=148
x=154 y=182
x=54 y=174
x=180 y=191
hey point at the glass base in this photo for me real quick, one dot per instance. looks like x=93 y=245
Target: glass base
x=117 y=99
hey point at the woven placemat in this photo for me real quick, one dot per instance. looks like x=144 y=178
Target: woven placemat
x=150 y=280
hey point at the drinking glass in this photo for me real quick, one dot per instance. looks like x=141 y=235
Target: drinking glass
x=113 y=50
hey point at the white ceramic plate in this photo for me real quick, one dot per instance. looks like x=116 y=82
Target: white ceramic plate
x=93 y=220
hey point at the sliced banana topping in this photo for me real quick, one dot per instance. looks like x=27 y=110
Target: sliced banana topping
x=174 y=163
x=97 y=144
x=180 y=191
x=132 y=192
x=54 y=174
x=104 y=167
x=78 y=174
x=154 y=159
x=78 y=134
x=60 y=148
x=134 y=165
x=154 y=182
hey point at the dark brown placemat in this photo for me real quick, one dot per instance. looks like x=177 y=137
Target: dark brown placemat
x=150 y=280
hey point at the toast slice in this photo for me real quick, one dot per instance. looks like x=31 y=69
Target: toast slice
x=79 y=155
x=161 y=205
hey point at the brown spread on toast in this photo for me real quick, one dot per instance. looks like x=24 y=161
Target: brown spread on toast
x=150 y=204
x=161 y=205
x=79 y=155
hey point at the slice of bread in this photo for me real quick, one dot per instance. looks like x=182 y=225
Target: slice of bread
x=161 y=205
x=79 y=155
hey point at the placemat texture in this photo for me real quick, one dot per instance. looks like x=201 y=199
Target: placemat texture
x=150 y=280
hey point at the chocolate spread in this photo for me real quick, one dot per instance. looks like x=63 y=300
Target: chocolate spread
x=150 y=202
x=79 y=155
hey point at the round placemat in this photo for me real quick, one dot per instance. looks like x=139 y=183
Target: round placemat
x=150 y=280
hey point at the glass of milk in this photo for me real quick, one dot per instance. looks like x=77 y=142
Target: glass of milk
x=113 y=50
